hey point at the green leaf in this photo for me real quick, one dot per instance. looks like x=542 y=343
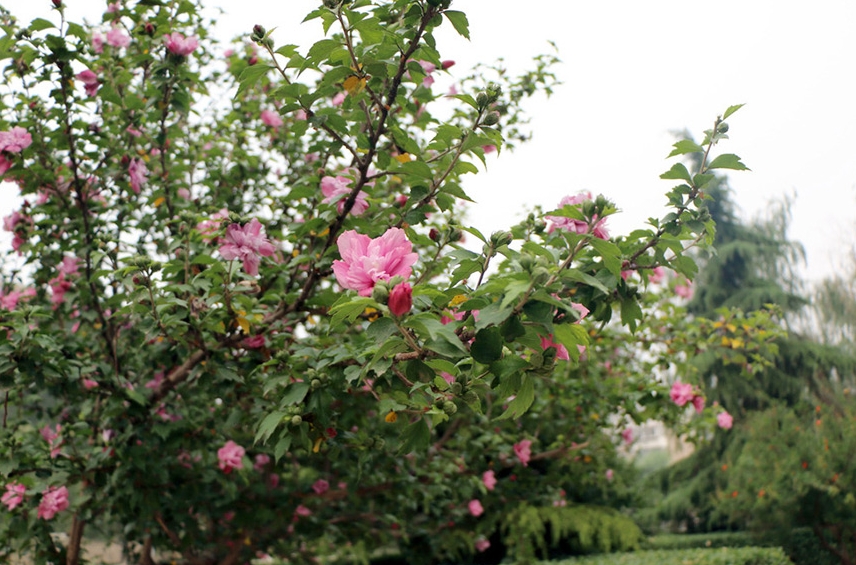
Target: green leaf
x=267 y=426
x=685 y=265
x=685 y=146
x=322 y=49
x=282 y=446
x=539 y=312
x=523 y=399
x=728 y=161
x=677 y=172
x=350 y=309
x=295 y=393
x=731 y=110
x=610 y=253
x=580 y=277
x=459 y=22
x=571 y=335
x=250 y=76
x=630 y=313
x=487 y=346
x=512 y=329
x=39 y=24
x=415 y=437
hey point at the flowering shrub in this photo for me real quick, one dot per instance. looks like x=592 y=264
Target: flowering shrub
x=282 y=281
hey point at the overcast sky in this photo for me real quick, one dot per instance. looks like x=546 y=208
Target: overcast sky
x=633 y=72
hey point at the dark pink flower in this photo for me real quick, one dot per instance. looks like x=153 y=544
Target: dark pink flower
x=475 y=507
x=90 y=82
x=320 y=486
x=97 y=42
x=271 y=118
x=117 y=37
x=627 y=436
x=177 y=44
x=523 y=451
x=366 y=261
x=137 y=172
x=230 y=456
x=681 y=393
x=400 y=299
x=698 y=403
x=247 y=243
x=489 y=480
x=89 y=384
x=482 y=544
x=54 y=439
x=337 y=189
x=561 y=350
x=261 y=462
x=656 y=276
x=54 y=499
x=447 y=64
x=253 y=342
x=724 y=420
x=15 y=140
x=14 y=495
x=302 y=511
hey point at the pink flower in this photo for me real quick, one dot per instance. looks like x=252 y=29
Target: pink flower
x=271 y=118
x=427 y=68
x=338 y=99
x=207 y=228
x=90 y=82
x=302 y=511
x=598 y=228
x=89 y=384
x=247 y=243
x=400 y=299
x=475 y=507
x=522 y=450
x=113 y=7
x=137 y=172
x=657 y=275
x=366 y=261
x=53 y=438
x=5 y=165
x=116 y=37
x=97 y=42
x=10 y=301
x=627 y=436
x=54 y=499
x=300 y=115
x=447 y=64
x=321 y=486
x=724 y=420
x=561 y=350
x=15 y=140
x=68 y=266
x=685 y=289
x=482 y=544
x=177 y=44
x=681 y=393
x=337 y=189
x=253 y=342
x=489 y=480
x=610 y=474
x=698 y=403
x=261 y=462
x=14 y=495
x=231 y=457
x=448 y=377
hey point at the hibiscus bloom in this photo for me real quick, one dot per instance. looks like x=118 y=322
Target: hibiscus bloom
x=14 y=495
x=54 y=499
x=724 y=420
x=177 y=44
x=271 y=118
x=247 y=243
x=230 y=456
x=337 y=189
x=366 y=261
x=489 y=480
x=523 y=451
x=476 y=508
x=681 y=393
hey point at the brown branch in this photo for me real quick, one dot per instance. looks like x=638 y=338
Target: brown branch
x=74 y=539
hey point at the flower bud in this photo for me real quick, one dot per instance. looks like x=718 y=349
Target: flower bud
x=149 y=29
x=500 y=238
x=434 y=235
x=57 y=3
x=456 y=234
x=722 y=128
x=296 y=420
x=268 y=42
x=481 y=99
x=471 y=396
x=315 y=384
x=491 y=119
x=456 y=388
x=540 y=275
x=380 y=292
x=401 y=299
x=258 y=31
x=450 y=408
x=447 y=64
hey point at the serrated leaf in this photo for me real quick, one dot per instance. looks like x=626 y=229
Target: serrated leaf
x=523 y=399
x=630 y=313
x=250 y=76
x=267 y=426
x=685 y=146
x=610 y=253
x=487 y=346
x=415 y=437
x=728 y=161
x=40 y=24
x=459 y=22
x=677 y=172
x=294 y=394
x=731 y=110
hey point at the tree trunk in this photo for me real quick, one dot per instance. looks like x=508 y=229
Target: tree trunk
x=75 y=537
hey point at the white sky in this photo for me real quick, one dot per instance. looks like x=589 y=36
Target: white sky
x=634 y=71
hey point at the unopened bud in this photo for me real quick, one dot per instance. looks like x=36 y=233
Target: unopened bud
x=481 y=99
x=315 y=384
x=149 y=28
x=296 y=420
x=57 y=3
x=471 y=396
x=252 y=60
x=450 y=408
x=434 y=235
x=500 y=238
x=456 y=234
x=268 y=42
x=456 y=388
x=491 y=119
x=380 y=292
x=540 y=275
x=722 y=128
x=259 y=30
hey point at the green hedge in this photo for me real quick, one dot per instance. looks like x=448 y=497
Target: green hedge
x=718 y=556
x=702 y=541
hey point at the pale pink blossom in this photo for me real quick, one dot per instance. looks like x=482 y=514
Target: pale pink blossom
x=132 y=131
x=302 y=511
x=489 y=480
x=69 y=265
x=561 y=350
x=482 y=545
x=208 y=228
x=475 y=507
x=247 y=243
x=230 y=457
x=681 y=393
x=610 y=474
x=300 y=115
x=14 y=495
x=698 y=403
x=15 y=140
x=117 y=37
x=338 y=99
x=155 y=383
x=523 y=451
x=114 y=7
x=320 y=486
x=177 y=44
x=337 y=189
x=428 y=68
x=5 y=165
x=684 y=289
x=366 y=261
x=598 y=227
x=137 y=172
x=261 y=461
x=54 y=499
x=90 y=82
x=10 y=301
x=627 y=436
x=448 y=377
x=89 y=384
x=97 y=42
x=54 y=439
x=724 y=420
x=657 y=275
x=271 y=118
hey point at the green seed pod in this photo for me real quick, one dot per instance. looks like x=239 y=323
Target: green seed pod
x=491 y=119
x=456 y=388
x=315 y=384
x=450 y=407
x=471 y=397
x=296 y=420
